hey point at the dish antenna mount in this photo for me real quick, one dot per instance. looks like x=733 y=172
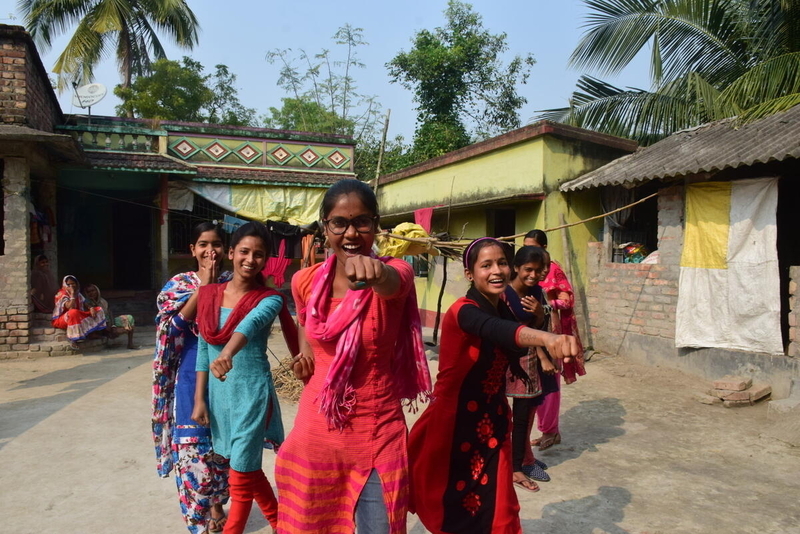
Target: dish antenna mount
x=88 y=95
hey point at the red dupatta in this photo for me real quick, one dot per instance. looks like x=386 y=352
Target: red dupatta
x=209 y=301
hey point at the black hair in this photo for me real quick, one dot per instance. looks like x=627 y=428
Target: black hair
x=41 y=257
x=529 y=254
x=252 y=229
x=346 y=187
x=539 y=236
x=204 y=227
x=482 y=242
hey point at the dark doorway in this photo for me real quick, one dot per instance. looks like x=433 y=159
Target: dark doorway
x=501 y=222
x=788 y=242
x=132 y=243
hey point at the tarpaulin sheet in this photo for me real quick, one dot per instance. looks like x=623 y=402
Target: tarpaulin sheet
x=295 y=205
x=730 y=299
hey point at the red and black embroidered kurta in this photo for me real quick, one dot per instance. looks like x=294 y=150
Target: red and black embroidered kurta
x=460 y=449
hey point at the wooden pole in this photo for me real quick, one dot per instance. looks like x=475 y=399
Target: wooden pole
x=567 y=259
x=380 y=151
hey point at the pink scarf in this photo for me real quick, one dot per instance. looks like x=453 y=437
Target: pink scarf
x=412 y=379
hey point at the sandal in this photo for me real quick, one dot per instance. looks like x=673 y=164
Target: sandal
x=534 y=472
x=548 y=441
x=217 y=524
x=527 y=484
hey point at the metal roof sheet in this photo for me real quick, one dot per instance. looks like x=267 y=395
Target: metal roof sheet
x=710 y=147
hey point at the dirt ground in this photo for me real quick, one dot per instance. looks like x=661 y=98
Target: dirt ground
x=639 y=455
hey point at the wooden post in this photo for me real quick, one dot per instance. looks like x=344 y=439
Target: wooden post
x=578 y=300
x=380 y=150
x=164 y=229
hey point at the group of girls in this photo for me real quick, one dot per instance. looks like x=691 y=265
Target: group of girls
x=349 y=460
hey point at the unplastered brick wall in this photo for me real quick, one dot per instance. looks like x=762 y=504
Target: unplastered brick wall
x=14 y=263
x=635 y=298
x=26 y=97
x=794 y=314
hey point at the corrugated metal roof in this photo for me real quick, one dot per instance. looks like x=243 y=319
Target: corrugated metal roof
x=711 y=147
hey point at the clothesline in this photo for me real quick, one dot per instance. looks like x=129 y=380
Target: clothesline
x=431 y=242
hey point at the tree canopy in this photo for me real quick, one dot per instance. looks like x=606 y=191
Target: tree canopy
x=182 y=91
x=462 y=88
x=710 y=59
x=129 y=28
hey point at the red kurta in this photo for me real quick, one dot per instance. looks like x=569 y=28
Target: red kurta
x=320 y=472
x=460 y=449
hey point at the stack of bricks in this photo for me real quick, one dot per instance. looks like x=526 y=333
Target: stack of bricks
x=735 y=391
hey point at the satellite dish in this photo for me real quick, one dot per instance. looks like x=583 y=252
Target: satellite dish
x=88 y=95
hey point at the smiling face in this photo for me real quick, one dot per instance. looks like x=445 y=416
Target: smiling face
x=491 y=272
x=72 y=283
x=249 y=257
x=530 y=273
x=351 y=242
x=207 y=243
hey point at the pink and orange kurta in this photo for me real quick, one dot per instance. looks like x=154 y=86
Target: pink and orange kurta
x=320 y=471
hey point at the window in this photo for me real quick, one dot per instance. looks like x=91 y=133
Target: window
x=633 y=231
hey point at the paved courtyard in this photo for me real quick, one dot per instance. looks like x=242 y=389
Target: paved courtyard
x=639 y=455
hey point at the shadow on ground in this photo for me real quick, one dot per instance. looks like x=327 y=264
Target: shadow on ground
x=583 y=427
x=18 y=416
x=596 y=513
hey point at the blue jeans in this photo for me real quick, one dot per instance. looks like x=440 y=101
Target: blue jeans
x=371 y=515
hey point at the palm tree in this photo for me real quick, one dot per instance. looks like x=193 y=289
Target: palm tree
x=128 y=26
x=710 y=59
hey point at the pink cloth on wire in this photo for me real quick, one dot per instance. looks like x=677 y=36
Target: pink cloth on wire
x=276 y=267
x=423 y=217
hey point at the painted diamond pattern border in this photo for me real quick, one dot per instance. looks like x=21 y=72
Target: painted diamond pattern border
x=184 y=148
x=216 y=150
x=337 y=158
x=309 y=157
x=281 y=155
x=247 y=152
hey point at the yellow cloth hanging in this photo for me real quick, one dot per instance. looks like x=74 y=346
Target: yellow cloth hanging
x=397 y=248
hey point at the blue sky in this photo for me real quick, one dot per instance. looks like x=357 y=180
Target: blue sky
x=239 y=33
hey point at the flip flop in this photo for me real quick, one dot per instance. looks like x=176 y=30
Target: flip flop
x=534 y=472
x=218 y=523
x=522 y=484
x=549 y=441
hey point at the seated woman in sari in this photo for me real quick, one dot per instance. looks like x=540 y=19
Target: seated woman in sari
x=72 y=314
x=114 y=325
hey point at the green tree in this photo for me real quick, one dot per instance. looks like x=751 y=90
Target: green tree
x=183 y=92
x=324 y=95
x=327 y=81
x=306 y=115
x=462 y=88
x=710 y=59
x=128 y=27
x=225 y=106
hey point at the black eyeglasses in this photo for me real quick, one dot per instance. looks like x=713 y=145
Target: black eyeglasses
x=338 y=225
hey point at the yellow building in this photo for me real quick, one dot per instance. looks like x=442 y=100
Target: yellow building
x=503 y=186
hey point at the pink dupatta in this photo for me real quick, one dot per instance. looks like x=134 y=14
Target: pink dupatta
x=412 y=379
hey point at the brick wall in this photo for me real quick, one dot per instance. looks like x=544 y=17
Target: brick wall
x=26 y=97
x=794 y=314
x=633 y=298
x=15 y=263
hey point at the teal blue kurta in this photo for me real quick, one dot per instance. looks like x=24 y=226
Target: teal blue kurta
x=244 y=411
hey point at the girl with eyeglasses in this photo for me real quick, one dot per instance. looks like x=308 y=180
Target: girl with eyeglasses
x=345 y=462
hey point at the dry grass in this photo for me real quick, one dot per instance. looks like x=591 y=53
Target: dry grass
x=286 y=385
